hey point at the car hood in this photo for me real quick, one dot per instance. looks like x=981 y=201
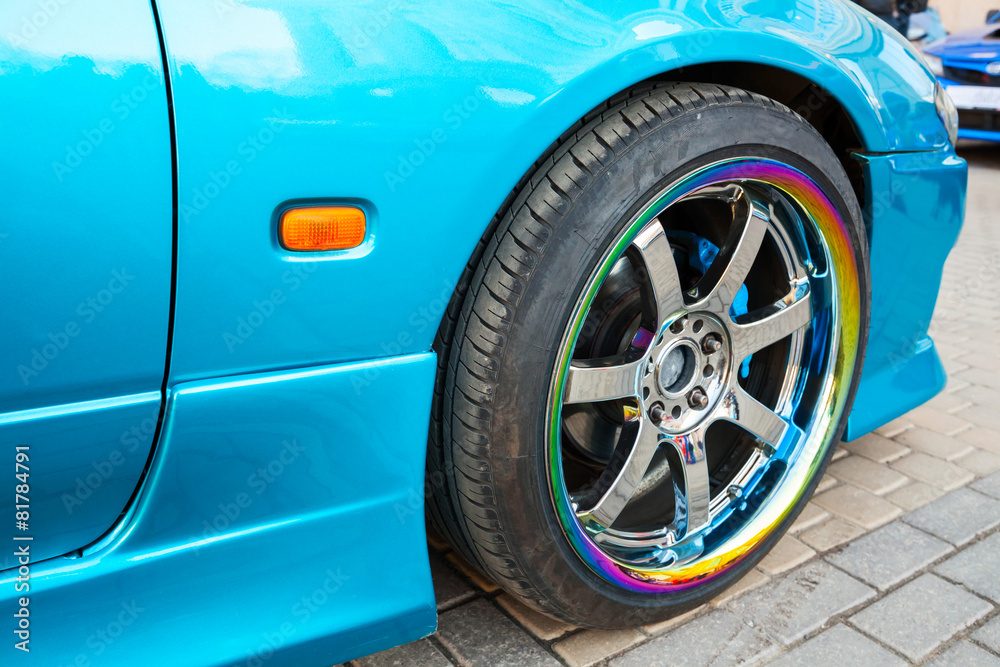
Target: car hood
x=980 y=43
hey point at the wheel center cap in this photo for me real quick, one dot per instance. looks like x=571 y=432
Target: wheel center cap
x=677 y=368
x=688 y=372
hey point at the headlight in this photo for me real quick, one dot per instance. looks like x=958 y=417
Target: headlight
x=935 y=63
x=947 y=112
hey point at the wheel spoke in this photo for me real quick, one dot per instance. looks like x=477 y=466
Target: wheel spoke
x=658 y=259
x=718 y=287
x=693 y=497
x=601 y=380
x=762 y=422
x=618 y=482
x=773 y=323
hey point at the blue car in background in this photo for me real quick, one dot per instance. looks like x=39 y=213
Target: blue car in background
x=967 y=63
x=594 y=288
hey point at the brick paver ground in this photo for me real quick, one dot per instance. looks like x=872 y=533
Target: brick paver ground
x=900 y=547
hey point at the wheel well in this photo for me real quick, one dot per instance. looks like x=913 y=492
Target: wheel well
x=815 y=104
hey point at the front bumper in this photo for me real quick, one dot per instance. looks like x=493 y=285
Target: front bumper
x=977 y=124
x=914 y=208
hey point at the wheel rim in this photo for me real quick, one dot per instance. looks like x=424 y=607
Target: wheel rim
x=682 y=372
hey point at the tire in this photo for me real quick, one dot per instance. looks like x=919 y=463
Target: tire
x=618 y=437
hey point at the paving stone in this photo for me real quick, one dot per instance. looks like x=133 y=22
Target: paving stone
x=980 y=462
x=593 y=646
x=827 y=482
x=449 y=588
x=478 y=634
x=858 y=506
x=977 y=567
x=944 y=475
x=889 y=555
x=416 y=653
x=966 y=654
x=785 y=555
x=831 y=534
x=718 y=638
x=914 y=495
x=894 y=428
x=811 y=515
x=877 y=448
x=957 y=517
x=657 y=629
x=948 y=351
x=936 y=444
x=989 y=635
x=956 y=385
x=801 y=601
x=868 y=475
x=935 y=420
x=920 y=616
x=981 y=395
x=984 y=438
x=472 y=573
x=949 y=402
x=979 y=376
x=752 y=580
x=535 y=622
x=955 y=366
x=990 y=486
x=981 y=415
x=837 y=647
x=839 y=453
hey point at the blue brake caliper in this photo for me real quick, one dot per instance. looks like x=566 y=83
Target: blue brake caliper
x=700 y=254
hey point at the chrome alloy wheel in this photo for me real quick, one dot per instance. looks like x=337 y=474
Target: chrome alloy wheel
x=714 y=420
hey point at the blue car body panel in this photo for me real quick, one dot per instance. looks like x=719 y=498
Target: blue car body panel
x=281 y=515
x=85 y=258
x=427 y=122
x=917 y=204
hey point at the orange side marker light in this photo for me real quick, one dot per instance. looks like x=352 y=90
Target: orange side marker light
x=317 y=228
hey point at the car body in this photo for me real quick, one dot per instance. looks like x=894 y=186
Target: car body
x=226 y=438
x=967 y=63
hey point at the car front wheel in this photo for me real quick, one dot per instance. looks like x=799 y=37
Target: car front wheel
x=655 y=357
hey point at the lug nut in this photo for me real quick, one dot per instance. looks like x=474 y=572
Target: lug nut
x=697 y=399
x=711 y=343
x=657 y=413
x=734 y=492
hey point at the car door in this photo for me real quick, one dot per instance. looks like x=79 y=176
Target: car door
x=86 y=239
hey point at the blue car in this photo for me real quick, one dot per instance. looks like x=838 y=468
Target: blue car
x=594 y=288
x=967 y=64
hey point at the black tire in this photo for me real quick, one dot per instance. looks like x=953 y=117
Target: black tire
x=498 y=344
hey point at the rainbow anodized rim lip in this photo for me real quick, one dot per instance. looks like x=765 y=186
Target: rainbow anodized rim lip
x=844 y=322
